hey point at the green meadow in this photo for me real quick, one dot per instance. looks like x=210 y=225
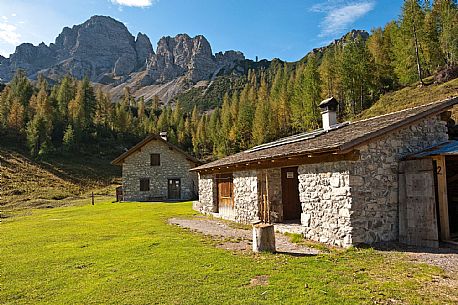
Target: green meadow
x=126 y=253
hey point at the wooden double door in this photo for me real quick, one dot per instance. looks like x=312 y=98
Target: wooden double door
x=290 y=194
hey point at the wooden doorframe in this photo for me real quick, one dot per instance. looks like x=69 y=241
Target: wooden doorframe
x=441 y=174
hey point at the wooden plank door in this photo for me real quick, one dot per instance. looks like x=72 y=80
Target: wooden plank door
x=174 y=189
x=417 y=204
x=225 y=195
x=290 y=193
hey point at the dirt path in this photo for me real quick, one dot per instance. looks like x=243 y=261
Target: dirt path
x=445 y=258
x=238 y=239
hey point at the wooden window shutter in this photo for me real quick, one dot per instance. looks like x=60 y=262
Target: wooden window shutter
x=155 y=159
x=144 y=184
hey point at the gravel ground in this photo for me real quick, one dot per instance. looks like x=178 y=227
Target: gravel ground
x=445 y=258
x=239 y=239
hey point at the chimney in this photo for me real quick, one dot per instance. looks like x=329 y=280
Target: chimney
x=163 y=135
x=329 y=112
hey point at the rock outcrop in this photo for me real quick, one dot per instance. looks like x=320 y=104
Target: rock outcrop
x=104 y=50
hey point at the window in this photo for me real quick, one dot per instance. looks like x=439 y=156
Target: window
x=144 y=184
x=155 y=159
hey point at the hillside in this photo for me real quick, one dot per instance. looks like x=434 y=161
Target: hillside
x=25 y=182
x=410 y=97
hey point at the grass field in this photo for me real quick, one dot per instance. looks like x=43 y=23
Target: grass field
x=128 y=254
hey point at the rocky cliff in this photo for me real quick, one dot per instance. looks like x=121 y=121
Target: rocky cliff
x=104 y=50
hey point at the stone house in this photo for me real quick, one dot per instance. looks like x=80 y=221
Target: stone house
x=157 y=170
x=379 y=179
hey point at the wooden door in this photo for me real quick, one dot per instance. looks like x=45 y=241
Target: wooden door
x=174 y=192
x=225 y=195
x=417 y=204
x=290 y=194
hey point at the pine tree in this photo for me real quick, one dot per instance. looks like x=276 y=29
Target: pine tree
x=433 y=56
x=16 y=117
x=103 y=110
x=5 y=106
x=68 y=140
x=82 y=107
x=65 y=93
x=39 y=136
x=245 y=118
x=407 y=46
x=21 y=88
x=380 y=48
x=445 y=14
x=262 y=116
x=224 y=146
x=313 y=94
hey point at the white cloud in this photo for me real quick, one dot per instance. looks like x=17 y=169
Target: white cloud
x=340 y=14
x=9 y=34
x=135 y=3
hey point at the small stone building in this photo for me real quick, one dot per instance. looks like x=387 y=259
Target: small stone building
x=379 y=179
x=156 y=170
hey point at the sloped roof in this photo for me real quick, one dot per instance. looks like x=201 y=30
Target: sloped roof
x=119 y=160
x=340 y=140
x=449 y=148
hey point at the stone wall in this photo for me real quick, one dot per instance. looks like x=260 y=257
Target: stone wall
x=207 y=194
x=324 y=192
x=374 y=179
x=246 y=196
x=173 y=165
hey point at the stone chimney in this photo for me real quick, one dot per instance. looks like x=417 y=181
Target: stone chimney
x=163 y=135
x=329 y=112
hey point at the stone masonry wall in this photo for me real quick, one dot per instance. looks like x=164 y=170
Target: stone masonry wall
x=246 y=196
x=353 y=202
x=173 y=166
x=207 y=194
x=374 y=179
x=324 y=192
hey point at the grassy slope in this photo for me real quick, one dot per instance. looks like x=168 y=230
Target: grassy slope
x=411 y=97
x=25 y=182
x=126 y=253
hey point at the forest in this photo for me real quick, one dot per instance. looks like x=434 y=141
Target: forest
x=77 y=116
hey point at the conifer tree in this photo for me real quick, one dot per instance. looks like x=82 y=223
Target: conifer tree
x=244 y=119
x=68 y=140
x=407 y=47
x=103 y=110
x=21 y=88
x=262 y=115
x=16 y=117
x=65 y=93
x=445 y=14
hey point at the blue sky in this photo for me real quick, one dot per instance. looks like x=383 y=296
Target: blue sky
x=267 y=29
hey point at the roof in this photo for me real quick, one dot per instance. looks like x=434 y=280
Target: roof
x=336 y=141
x=119 y=160
x=449 y=148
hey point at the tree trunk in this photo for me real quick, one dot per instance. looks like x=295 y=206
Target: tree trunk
x=263 y=238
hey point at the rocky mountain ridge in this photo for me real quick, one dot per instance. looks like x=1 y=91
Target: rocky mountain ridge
x=104 y=50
